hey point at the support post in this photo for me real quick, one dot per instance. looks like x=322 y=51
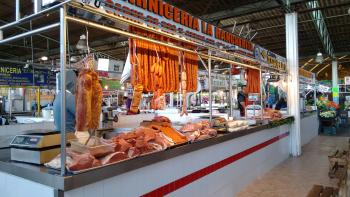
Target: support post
x=261 y=93
x=37 y=6
x=293 y=81
x=17 y=11
x=171 y=100
x=210 y=88
x=230 y=93
x=63 y=28
x=38 y=105
x=335 y=88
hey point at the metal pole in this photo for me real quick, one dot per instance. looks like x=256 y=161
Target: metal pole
x=29 y=33
x=210 y=90
x=230 y=93
x=261 y=94
x=37 y=6
x=32 y=16
x=31 y=43
x=29 y=63
x=63 y=28
x=38 y=101
x=10 y=103
x=18 y=7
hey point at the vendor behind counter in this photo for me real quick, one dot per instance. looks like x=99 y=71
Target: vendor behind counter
x=71 y=78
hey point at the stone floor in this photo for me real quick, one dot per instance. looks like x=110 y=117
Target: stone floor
x=296 y=176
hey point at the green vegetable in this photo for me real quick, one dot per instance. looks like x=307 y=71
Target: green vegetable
x=328 y=114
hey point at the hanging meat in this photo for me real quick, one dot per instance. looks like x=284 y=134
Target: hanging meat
x=83 y=101
x=157 y=68
x=136 y=99
x=96 y=101
x=88 y=97
x=183 y=84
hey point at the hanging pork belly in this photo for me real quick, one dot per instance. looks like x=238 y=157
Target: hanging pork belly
x=88 y=97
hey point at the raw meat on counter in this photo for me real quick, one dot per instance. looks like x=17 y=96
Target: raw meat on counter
x=114 y=157
x=97 y=147
x=80 y=161
x=272 y=114
x=198 y=131
x=75 y=161
x=171 y=133
x=140 y=141
x=161 y=119
x=219 y=122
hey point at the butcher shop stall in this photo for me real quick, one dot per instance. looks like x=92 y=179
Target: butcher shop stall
x=152 y=101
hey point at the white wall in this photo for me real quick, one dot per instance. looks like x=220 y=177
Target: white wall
x=308 y=128
x=14 y=186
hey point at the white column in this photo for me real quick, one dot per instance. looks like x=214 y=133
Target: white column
x=335 y=87
x=171 y=104
x=293 y=80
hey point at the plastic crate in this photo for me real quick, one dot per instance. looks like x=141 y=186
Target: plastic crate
x=329 y=130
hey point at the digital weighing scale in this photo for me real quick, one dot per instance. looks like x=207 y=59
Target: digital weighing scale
x=37 y=146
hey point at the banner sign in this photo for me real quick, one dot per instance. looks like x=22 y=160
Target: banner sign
x=270 y=59
x=306 y=76
x=159 y=14
x=20 y=76
x=16 y=76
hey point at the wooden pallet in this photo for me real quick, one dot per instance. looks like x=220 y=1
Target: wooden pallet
x=321 y=191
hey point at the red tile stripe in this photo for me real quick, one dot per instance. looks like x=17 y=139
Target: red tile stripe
x=175 y=185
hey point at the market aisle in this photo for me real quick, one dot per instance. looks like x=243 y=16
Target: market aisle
x=296 y=176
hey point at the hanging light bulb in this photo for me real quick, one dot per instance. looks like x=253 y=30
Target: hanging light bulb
x=44 y=58
x=82 y=45
x=319 y=57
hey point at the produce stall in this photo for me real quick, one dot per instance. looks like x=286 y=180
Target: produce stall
x=308 y=99
x=157 y=155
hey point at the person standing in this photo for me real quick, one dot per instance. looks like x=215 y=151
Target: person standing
x=241 y=97
x=71 y=78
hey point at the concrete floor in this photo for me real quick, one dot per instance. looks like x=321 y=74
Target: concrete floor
x=296 y=176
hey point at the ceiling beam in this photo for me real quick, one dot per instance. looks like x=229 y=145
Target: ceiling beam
x=321 y=27
x=241 y=10
x=245 y=10
x=300 y=12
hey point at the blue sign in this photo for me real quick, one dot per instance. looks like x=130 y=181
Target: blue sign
x=20 y=76
x=16 y=76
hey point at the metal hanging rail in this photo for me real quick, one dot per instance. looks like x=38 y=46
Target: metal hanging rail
x=33 y=16
x=63 y=56
x=131 y=35
x=30 y=33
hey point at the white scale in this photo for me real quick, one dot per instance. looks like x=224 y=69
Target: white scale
x=37 y=146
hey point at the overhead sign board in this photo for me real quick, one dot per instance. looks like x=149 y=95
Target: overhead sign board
x=159 y=14
x=16 y=76
x=20 y=76
x=270 y=59
x=306 y=76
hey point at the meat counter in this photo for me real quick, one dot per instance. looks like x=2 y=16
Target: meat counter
x=219 y=166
